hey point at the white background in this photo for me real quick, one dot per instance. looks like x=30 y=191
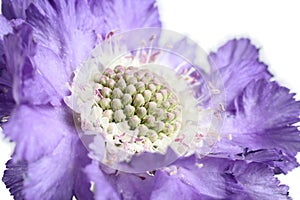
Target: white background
x=272 y=25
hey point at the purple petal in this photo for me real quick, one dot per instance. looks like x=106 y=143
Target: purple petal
x=238 y=65
x=103 y=190
x=171 y=187
x=14 y=178
x=67 y=29
x=264 y=115
x=234 y=51
x=281 y=162
x=126 y=15
x=6 y=98
x=59 y=174
x=254 y=181
x=14 y=9
x=113 y=184
x=218 y=178
x=5 y=27
x=30 y=85
x=36 y=130
x=132 y=186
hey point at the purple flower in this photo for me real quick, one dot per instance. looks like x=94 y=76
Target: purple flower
x=41 y=46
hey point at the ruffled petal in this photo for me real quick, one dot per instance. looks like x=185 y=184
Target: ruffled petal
x=6 y=97
x=254 y=181
x=113 y=184
x=263 y=119
x=5 y=27
x=54 y=176
x=132 y=186
x=72 y=36
x=171 y=187
x=281 y=162
x=234 y=51
x=46 y=137
x=13 y=178
x=238 y=65
x=126 y=15
x=102 y=189
x=218 y=178
x=14 y=9
x=61 y=36
x=57 y=175
x=31 y=85
x=36 y=130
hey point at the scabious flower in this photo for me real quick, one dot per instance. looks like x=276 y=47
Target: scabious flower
x=145 y=115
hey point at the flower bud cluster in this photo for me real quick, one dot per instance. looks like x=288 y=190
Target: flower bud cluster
x=141 y=101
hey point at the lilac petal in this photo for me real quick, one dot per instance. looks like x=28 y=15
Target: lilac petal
x=14 y=9
x=126 y=15
x=81 y=161
x=238 y=65
x=6 y=97
x=38 y=130
x=14 y=178
x=234 y=51
x=67 y=29
x=5 y=27
x=264 y=115
x=219 y=178
x=113 y=184
x=281 y=162
x=171 y=187
x=103 y=190
x=61 y=36
x=255 y=181
x=132 y=186
x=58 y=175
x=30 y=85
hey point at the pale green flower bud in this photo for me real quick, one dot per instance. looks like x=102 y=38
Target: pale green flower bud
x=134 y=121
x=105 y=103
x=117 y=93
x=121 y=84
x=108 y=114
x=119 y=116
x=116 y=104
x=130 y=89
x=138 y=100
x=141 y=112
x=126 y=99
x=129 y=111
x=106 y=92
x=147 y=95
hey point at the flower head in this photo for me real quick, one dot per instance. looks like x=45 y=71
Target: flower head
x=100 y=113
x=132 y=104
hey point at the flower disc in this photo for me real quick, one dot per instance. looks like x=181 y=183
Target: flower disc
x=142 y=100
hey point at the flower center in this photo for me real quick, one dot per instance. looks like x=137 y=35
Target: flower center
x=142 y=111
x=142 y=99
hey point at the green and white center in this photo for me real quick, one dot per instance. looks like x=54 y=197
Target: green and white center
x=140 y=110
x=134 y=104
